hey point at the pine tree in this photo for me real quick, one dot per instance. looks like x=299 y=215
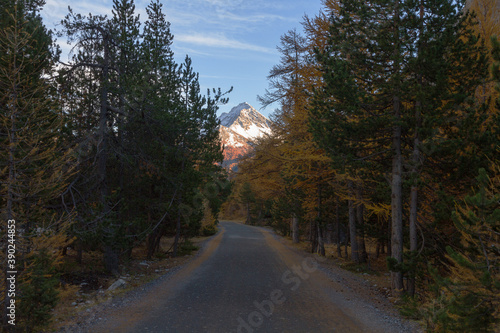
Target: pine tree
x=39 y=295
x=358 y=113
x=153 y=129
x=145 y=120
x=198 y=147
x=35 y=165
x=247 y=198
x=469 y=299
x=383 y=85
x=100 y=86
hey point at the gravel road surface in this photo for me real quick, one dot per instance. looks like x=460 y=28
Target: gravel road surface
x=245 y=280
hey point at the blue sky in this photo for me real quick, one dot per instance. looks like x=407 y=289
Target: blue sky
x=231 y=42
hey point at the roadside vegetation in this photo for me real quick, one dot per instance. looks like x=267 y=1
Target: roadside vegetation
x=102 y=158
x=387 y=143
x=384 y=154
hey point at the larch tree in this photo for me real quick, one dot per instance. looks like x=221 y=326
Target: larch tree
x=487 y=15
x=386 y=77
x=35 y=164
x=469 y=299
x=304 y=165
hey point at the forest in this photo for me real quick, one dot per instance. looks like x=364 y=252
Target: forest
x=387 y=137
x=115 y=149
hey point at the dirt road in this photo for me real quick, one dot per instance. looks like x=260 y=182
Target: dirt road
x=246 y=280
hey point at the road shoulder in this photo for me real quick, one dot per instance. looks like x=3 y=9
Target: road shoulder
x=355 y=292
x=107 y=316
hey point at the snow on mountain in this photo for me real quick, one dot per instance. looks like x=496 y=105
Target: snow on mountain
x=231 y=138
x=246 y=121
x=239 y=127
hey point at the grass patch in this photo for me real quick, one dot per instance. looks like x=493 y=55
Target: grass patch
x=358 y=268
x=187 y=247
x=209 y=230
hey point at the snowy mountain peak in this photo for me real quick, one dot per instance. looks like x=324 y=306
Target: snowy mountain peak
x=227 y=118
x=239 y=127
x=246 y=121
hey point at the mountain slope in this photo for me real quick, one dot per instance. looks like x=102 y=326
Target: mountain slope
x=239 y=128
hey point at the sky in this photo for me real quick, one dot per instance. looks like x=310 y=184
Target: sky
x=232 y=42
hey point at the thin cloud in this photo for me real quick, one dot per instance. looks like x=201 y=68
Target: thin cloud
x=252 y=18
x=55 y=10
x=243 y=4
x=228 y=13
x=225 y=3
x=221 y=42
x=183 y=51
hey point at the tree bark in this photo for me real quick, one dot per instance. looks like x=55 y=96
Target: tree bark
x=102 y=149
x=178 y=220
x=352 y=224
x=314 y=236
x=321 y=241
x=397 y=204
x=151 y=243
x=177 y=234
x=111 y=256
x=360 y=208
x=337 y=226
x=248 y=220
x=415 y=161
x=414 y=200
x=111 y=259
x=295 y=229
x=397 y=171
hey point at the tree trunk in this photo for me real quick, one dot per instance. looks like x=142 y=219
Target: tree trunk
x=388 y=240
x=295 y=229
x=352 y=225
x=111 y=260
x=415 y=159
x=397 y=171
x=102 y=149
x=346 y=242
x=178 y=220
x=337 y=227
x=413 y=235
x=111 y=256
x=314 y=237
x=152 y=243
x=321 y=241
x=360 y=208
x=397 y=206
x=414 y=202
x=248 y=220
x=177 y=234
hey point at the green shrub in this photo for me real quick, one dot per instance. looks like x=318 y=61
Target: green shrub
x=38 y=293
x=187 y=247
x=209 y=230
